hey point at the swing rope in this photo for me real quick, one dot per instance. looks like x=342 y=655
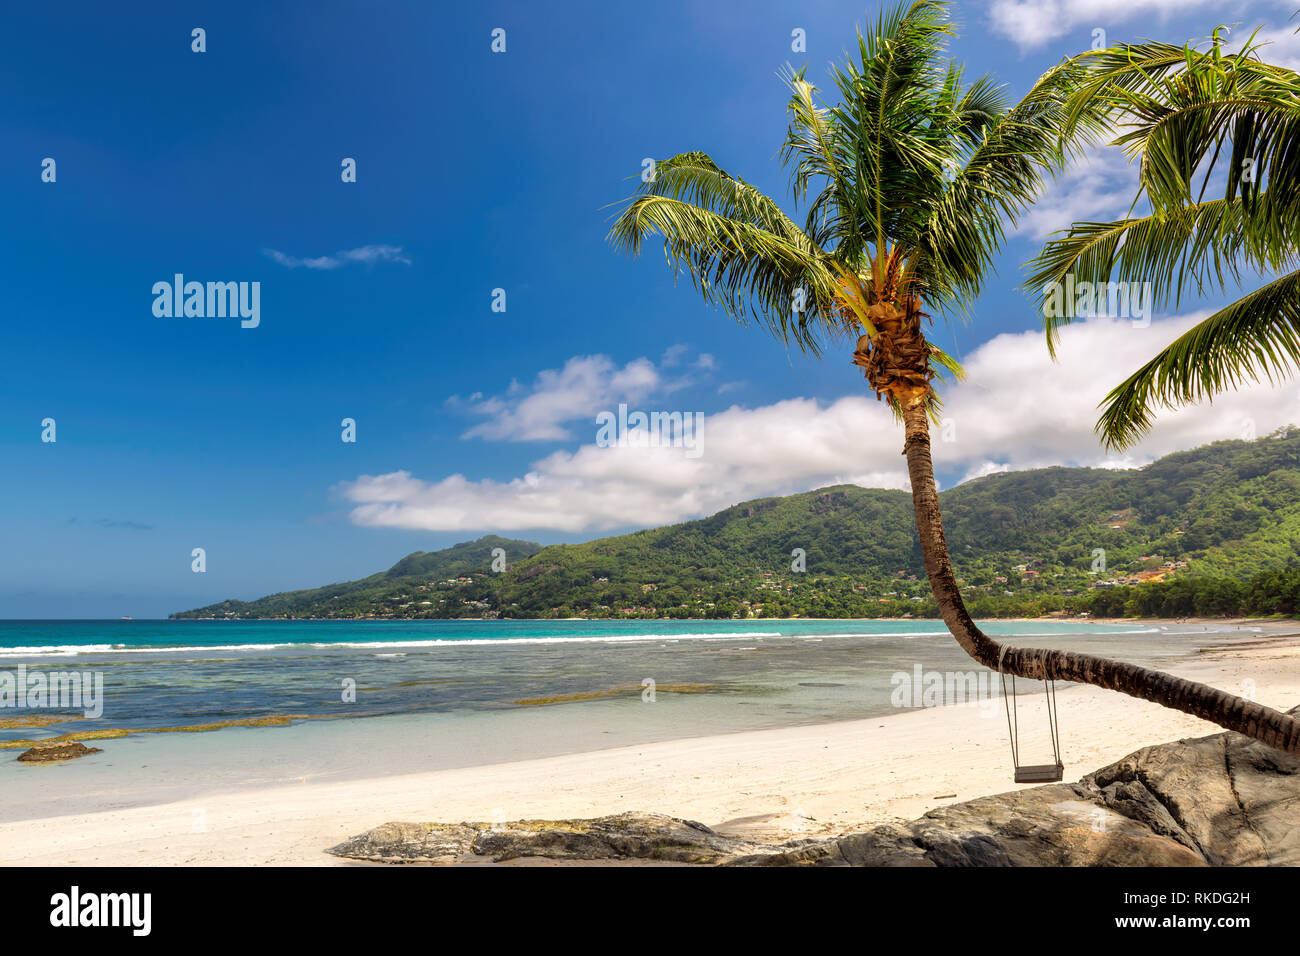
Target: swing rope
x=1014 y=734
x=1052 y=712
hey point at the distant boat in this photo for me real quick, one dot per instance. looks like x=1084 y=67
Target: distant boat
x=125 y=618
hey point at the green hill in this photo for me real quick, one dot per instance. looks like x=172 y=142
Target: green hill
x=1022 y=542
x=379 y=593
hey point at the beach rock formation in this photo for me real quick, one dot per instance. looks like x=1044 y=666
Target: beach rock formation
x=1223 y=800
x=53 y=752
x=625 y=836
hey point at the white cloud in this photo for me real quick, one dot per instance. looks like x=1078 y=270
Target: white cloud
x=1282 y=49
x=1033 y=23
x=559 y=398
x=367 y=255
x=1019 y=409
x=1016 y=410
x=1098 y=187
x=984 y=468
x=673 y=355
x=746 y=453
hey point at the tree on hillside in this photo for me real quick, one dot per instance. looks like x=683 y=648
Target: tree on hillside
x=909 y=182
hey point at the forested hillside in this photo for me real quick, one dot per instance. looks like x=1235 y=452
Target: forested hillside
x=1028 y=542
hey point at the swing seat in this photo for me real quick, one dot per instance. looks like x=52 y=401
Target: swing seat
x=1040 y=773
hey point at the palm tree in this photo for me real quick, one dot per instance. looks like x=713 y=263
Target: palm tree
x=917 y=176
x=1191 y=114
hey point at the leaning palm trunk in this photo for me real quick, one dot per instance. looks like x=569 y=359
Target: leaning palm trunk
x=919 y=176
x=1227 y=710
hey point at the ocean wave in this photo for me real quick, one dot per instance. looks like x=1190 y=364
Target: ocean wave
x=817 y=635
x=65 y=650
x=58 y=650
x=74 y=650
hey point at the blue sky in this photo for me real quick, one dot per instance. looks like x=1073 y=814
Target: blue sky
x=476 y=171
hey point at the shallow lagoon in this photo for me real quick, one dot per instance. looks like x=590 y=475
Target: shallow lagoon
x=442 y=694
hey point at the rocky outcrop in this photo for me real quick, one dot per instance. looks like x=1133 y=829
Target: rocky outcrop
x=636 y=836
x=1223 y=800
x=53 y=752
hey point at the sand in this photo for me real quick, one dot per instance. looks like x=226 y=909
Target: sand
x=799 y=781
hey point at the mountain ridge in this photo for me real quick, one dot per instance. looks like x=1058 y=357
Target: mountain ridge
x=1230 y=509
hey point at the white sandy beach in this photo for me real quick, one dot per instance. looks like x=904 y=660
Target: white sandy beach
x=798 y=781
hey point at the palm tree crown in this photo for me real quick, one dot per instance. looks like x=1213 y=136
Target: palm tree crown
x=908 y=182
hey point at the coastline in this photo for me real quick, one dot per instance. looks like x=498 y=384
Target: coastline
x=778 y=783
x=1264 y=619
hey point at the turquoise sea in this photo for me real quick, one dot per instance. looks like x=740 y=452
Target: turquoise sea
x=406 y=696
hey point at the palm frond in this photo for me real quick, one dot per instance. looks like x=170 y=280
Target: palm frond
x=813 y=152
x=892 y=122
x=742 y=253
x=1190 y=114
x=1200 y=245
x=1191 y=118
x=1011 y=152
x=1254 y=339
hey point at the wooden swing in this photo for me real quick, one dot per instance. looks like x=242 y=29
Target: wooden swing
x=1032 y=773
